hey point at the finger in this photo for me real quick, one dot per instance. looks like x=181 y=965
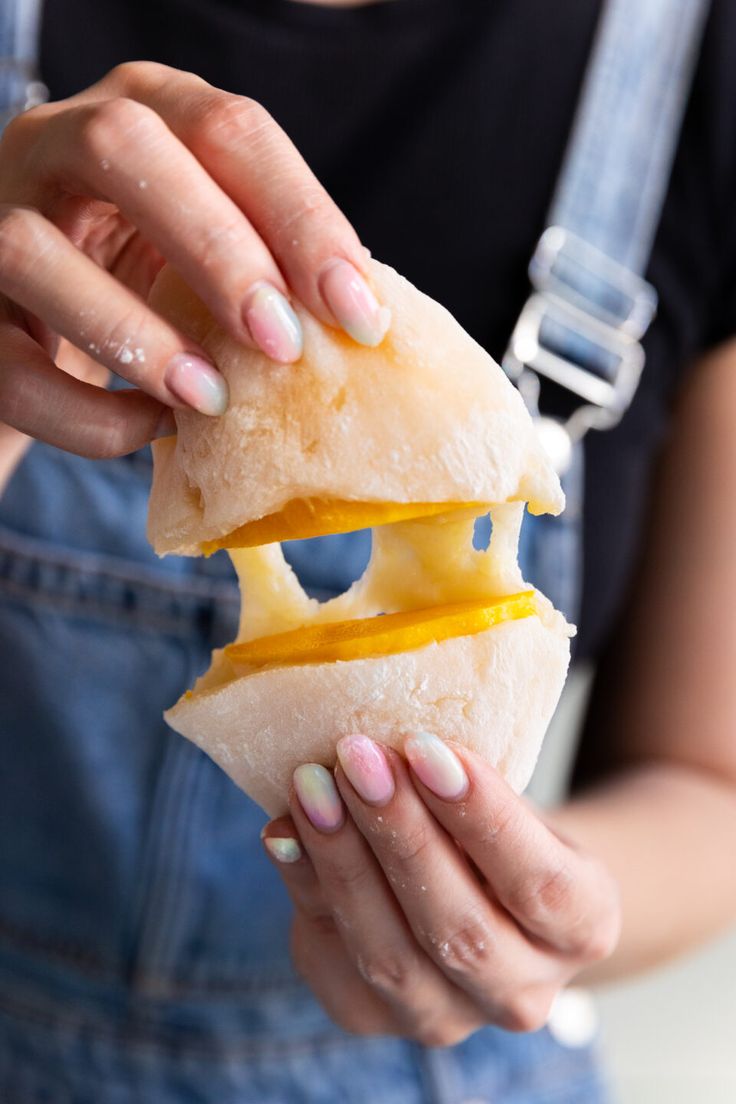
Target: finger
x=369 y=917
x=123 y=151
x=256 y=164
x=318 y=951
x=475 y=943
x=556 y=893
x=40 y=400
x=320 y=958
x=45 y=274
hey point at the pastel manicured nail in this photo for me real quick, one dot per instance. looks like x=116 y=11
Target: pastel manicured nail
x=197 y=383
x=436 y=765
x=366 y=766
x=285 y=850
x=353 y=304
x=315 y=787
x=273 y=324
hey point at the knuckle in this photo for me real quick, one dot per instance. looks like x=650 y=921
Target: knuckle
x=224 y=120
x=411 y=845
x=466 y=951
x=526 y=1012
x=110 y=124
x=219 y=242
x=322 y=922
x=312 y=214
x=21 y=132
x=599 y=941
x=547 y=895
x=106 y=444
x=392 y=974
x=503 y=823
x=23 y=239
x=108 y=438
x=345 y=879
x=131 y=74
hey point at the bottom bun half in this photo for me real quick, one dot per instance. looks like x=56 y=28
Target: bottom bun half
x=494 y=692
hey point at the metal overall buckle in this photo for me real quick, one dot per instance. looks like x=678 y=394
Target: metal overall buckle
x=581 y=328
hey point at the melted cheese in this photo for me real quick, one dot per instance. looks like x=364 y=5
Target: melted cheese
x=414 y=565
x=302 y=518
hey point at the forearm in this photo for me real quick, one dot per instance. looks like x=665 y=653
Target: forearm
x=667 y=834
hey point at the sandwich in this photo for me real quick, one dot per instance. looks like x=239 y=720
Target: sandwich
x=415 y=439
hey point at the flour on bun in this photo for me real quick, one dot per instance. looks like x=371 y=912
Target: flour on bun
x=414 y=439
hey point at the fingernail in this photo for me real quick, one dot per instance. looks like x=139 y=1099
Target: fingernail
x=366 y=766
x=273 y=324
x=353 y=303
x=283 y=850
x=318 y=796
x=436 y=765
x=197 y=383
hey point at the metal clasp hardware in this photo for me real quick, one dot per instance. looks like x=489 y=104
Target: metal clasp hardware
x=581 y=328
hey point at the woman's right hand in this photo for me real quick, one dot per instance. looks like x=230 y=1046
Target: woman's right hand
x=96 y=193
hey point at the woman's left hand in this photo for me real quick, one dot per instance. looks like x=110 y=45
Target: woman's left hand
x=430 y=899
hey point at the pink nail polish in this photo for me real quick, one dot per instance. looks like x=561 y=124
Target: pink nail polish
x=353 y=304
x=315 y=787
x=273 y=324
x=436 y=765
x=197 y=383
x=366 y=766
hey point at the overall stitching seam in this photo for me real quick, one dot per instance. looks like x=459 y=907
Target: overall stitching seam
x=63 y=952
x=140 y=619
x=138 y=1035
x=103 y=566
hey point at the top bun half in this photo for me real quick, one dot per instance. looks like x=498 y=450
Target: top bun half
x=426 y=417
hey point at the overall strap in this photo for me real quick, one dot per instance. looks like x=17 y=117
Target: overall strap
x=579 y=333
x=581 y=328
x=20 y=87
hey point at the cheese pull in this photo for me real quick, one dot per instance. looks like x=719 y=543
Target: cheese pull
x=302 y=518
x=371 y=637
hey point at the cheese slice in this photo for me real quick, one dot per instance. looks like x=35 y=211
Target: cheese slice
x=303 y=518
x=370 y=637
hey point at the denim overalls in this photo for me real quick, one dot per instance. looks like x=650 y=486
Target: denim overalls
x=143 y=934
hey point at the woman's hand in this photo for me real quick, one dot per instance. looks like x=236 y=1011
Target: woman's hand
x=430 y=899
x=153 y=164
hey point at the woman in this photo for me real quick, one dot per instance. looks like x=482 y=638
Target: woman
x=144 y=937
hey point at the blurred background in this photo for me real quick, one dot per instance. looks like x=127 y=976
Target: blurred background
x=669 y=1037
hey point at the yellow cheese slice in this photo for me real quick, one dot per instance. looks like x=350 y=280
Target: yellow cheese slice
x=369 y=637
x=318 y=517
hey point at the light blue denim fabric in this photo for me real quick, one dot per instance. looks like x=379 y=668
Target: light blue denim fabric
x=143 y=936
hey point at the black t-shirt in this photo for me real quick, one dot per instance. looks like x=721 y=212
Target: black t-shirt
x=439 y=127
